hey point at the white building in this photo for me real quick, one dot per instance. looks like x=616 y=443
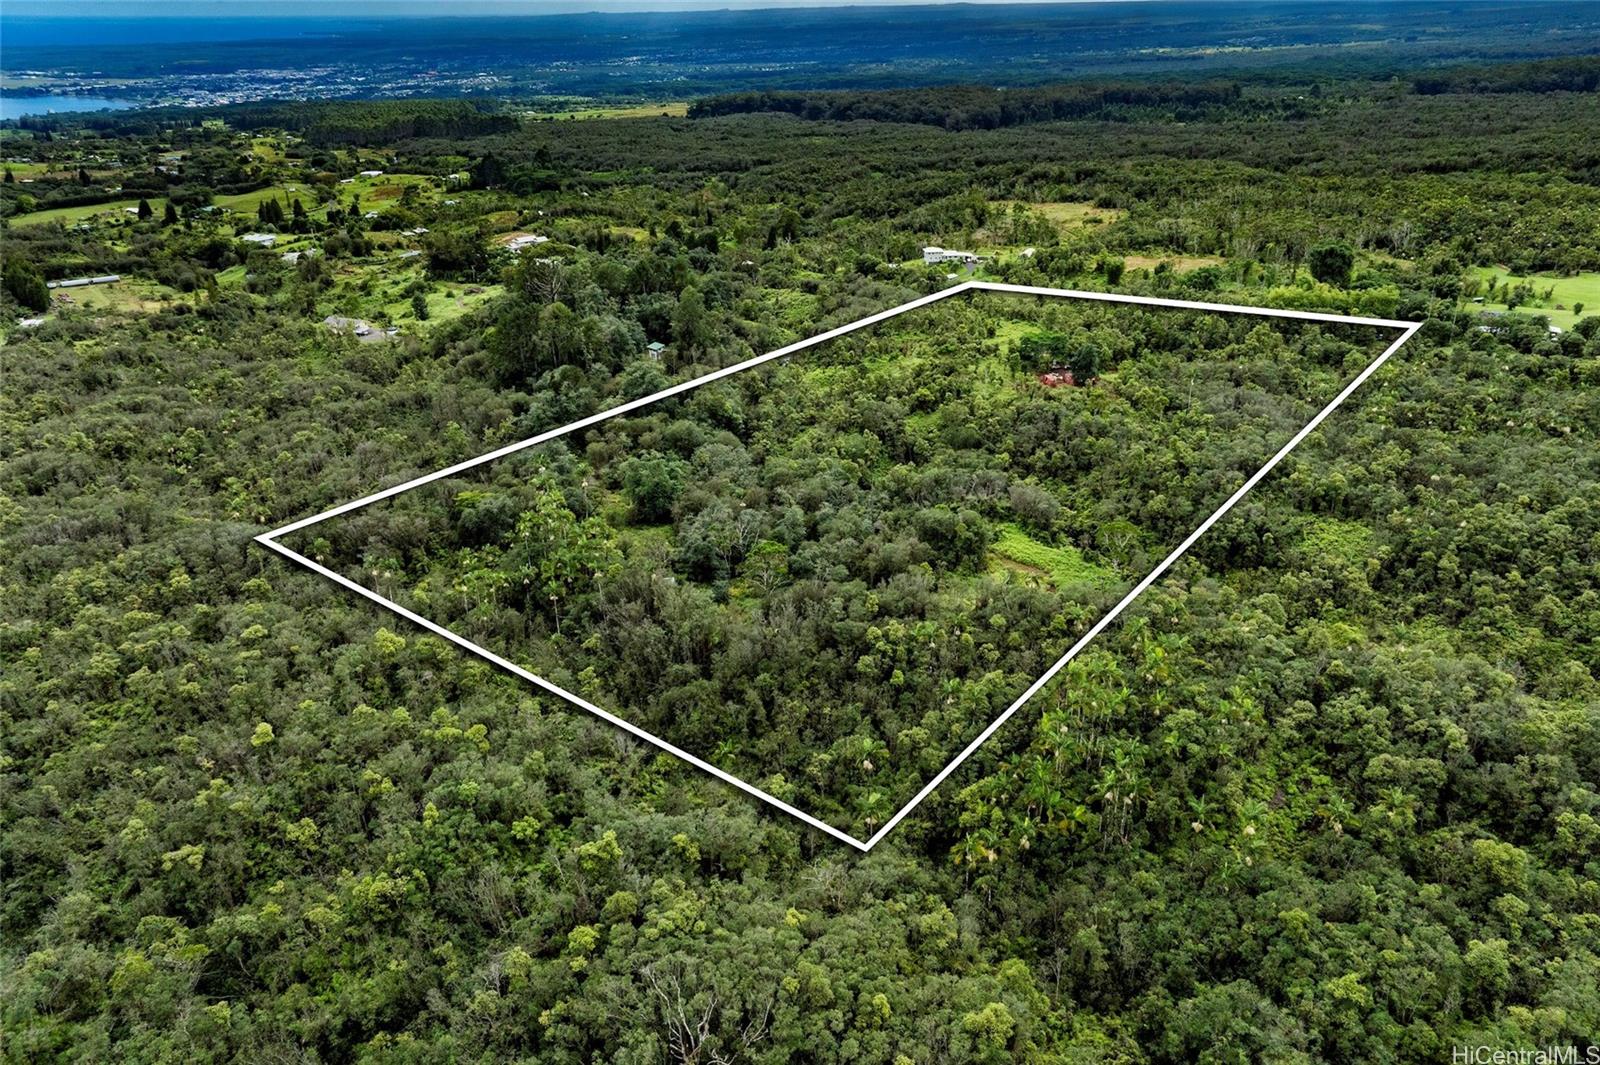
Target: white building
x=932 y=256
x=266 y=240
x=79 y=282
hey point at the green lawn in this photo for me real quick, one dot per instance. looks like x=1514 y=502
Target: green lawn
x=1568 y=291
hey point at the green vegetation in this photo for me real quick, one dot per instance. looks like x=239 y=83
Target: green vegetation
x=1063 y=566
x=1328 y=791
x=894 y=489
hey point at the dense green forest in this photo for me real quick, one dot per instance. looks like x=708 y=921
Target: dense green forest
x=978 y=106
x=829 y=574
x=987 y=107
x=1330 y=791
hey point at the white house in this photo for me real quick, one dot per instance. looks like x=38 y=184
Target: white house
x=933 y=256
x=371 y=173
x=266 y=240
x=525 y=240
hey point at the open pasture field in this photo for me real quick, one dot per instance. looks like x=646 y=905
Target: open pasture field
x=1553 y=296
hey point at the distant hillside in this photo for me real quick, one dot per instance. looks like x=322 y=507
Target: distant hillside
x=1580 y=74
x=327 y=122
x=974 y=106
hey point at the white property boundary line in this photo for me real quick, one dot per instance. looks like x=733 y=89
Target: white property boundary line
x=270 y=539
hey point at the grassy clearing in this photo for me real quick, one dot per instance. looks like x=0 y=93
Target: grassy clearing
x=378 y=289
x=267 y=149
x=637 y=541
x=1349 y=543
x=129 y=296
x=446 y=300
x=1009 y=332
x=250 y=202
x=1063 y=567
x=667 y=109
x=1565 y=293
x=383 y=193
x=1067 y=215
x=796 y=310
x=376 y=194
x=1181 y=263
x=85 y=212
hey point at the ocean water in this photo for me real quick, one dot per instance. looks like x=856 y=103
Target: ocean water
x=17 y=106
